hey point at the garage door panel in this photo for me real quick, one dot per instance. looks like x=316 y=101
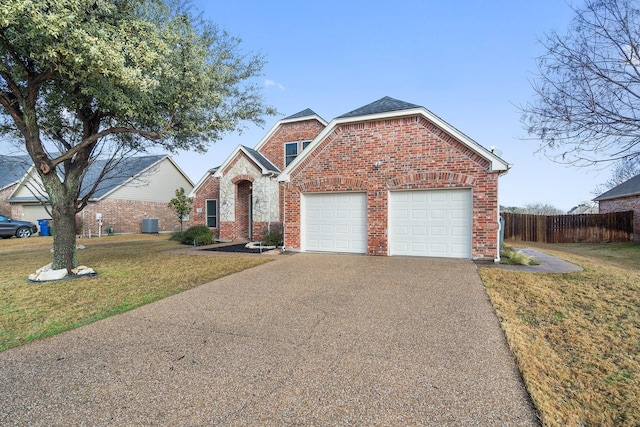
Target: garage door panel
x=335 y=222
x=430 y=223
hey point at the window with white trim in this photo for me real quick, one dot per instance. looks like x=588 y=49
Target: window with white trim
x=290 y=152
x=212 y=213
x=305 y=144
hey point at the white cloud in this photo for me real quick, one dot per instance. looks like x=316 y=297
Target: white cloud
x=270 y=83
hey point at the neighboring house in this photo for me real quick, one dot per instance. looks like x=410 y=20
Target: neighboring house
x=584 y=209
x=390 y=178
x=12 y=169
x=624 y=197
x=136 y=188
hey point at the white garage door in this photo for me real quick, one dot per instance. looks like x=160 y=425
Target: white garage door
x=33 y=213
x=433 y=223
x=334 y=222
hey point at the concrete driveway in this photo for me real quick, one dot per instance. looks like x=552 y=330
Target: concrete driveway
x=307 y=339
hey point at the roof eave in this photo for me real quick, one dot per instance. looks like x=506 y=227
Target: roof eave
x=617 y=196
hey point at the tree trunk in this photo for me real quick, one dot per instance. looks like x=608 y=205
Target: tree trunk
x=64 y=233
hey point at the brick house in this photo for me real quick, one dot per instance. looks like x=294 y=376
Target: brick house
x=137 y=188
x=390 y=178
x=12 y=169
x=624 y=197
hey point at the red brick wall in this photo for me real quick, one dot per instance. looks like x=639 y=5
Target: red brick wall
x=304 y=130
x=625 y=204
x=414 y=154
x=210 y=189
x=125 y=216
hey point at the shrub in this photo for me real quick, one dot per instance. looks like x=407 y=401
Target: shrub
x=274 y=237
x=197 y=235
x=177 y=236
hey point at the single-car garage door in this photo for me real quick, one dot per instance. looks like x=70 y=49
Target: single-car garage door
x=33 y=213
x=434 y=223
x=334 y=222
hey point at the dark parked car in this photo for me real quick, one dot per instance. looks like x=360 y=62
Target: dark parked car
x=10 y=227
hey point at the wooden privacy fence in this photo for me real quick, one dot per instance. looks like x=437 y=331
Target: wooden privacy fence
x=583 y=228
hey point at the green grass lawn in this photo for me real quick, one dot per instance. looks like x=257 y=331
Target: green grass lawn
x=132 y=270
x=576 y=336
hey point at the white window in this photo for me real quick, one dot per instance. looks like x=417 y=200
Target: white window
x=305 y=144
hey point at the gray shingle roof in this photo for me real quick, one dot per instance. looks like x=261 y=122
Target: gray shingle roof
x=117 y=176
x=628 y=188
x=12 y=168
x=125 y=170
x=304 y=113
x=266 y=164
x=382 y=105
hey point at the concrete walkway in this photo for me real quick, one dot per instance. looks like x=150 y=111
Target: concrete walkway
x=326 y=340
x=548 y=264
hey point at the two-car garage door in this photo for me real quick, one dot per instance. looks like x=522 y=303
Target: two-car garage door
x=421 y=222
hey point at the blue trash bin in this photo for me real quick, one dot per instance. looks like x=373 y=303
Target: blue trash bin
x=44 y=227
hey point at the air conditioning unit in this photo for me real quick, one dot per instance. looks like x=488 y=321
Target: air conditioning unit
x=150 y=225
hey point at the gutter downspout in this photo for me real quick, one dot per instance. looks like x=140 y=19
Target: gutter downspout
x=497 y=259
x=284 y=217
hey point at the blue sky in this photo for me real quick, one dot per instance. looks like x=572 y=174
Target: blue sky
x=469 y=62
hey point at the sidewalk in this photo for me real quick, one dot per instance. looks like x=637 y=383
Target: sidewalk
x=548 y=264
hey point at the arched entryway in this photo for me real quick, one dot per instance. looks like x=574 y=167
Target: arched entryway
x=244 y=209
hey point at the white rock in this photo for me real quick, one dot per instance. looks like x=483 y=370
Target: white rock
x=83 y=271
x=44 y=268
x=52 y=274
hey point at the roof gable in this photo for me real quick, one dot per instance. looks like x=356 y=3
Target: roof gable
x=118 y=175
x=12 y=169
x=390 y=108
x=630 y=187
x=382 y=105
x=261 y=162
x=302 y=114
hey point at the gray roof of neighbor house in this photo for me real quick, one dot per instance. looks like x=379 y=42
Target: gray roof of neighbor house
x=304 y=113
x=264 y=162
x=630 y=187
x=382 y=105
x=13 y=168
x=121 y=172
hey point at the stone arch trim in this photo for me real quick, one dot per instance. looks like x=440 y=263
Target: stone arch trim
x=241 y=178
x=428 y=179
x=332 y=184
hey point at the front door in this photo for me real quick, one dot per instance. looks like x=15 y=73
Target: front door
x=244 y=213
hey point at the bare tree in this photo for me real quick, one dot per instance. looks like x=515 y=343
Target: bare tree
x=587 y=106
x=621 y=172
